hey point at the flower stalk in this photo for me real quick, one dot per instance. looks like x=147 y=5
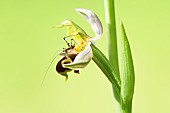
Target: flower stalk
x=112 y=44
x=111 y=33
x=126 y=78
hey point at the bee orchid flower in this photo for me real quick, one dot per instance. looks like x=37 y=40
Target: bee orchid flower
x=79 y=54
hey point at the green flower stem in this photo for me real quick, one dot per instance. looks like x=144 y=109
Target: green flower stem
x=103 y=63
x=112 y=44
x=127 y=108
x=111 y=33
x=124 y=97
x=100 y=59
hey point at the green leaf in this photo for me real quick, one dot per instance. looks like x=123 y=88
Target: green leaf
x=127 y=72
x=103 y=63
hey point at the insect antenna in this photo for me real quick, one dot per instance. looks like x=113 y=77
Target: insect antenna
x=49 y=67
x=72 y=40
x=70 y=36
x=67 y=41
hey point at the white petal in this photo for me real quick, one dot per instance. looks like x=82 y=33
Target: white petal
x=82 y=59
x=86 y=54
x=93 y=21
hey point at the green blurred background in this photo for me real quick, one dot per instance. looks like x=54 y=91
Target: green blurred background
x=28 y=42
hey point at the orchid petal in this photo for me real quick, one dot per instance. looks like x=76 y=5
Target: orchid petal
x=93 y=20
